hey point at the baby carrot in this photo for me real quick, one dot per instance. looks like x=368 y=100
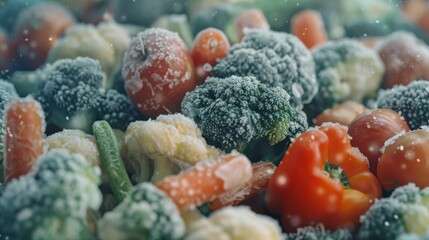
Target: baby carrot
x=24 y=137
x=207 y=180
x=262 y=173
x=251 y=18
x=308 y=26
x=210 y=45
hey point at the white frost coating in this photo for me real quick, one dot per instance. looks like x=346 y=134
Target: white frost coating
x=235 y=173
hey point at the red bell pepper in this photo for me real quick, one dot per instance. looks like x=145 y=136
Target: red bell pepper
x=322 y=179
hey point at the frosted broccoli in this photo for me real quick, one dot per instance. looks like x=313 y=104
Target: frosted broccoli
x=169 y=143
x=238 y=223
x=51 y=201
x=274 y=58
x=318 y=232
x=7 y=93
x=411 y=102
x=106 y=42
x=72 y=96
x=346 y=70
x=238 y=112
x=406 y=211
x=146 y=213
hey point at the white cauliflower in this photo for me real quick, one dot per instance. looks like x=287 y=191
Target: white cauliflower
x=235 y=223
x=75 y=141
x=169 y=144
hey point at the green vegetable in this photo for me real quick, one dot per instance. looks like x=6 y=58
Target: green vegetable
x=406 y=211
x=72 y=96
x=275 y=59
x=53 y=200
x=346 y=70
x=410 y=101
x=146 y=213
x=238 y=112
x=318 y=232
x=111 y=159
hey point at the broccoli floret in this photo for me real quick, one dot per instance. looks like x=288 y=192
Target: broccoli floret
x=72 y=96
x=274 y=58
x=235 y=112
x=406 y=211
x=51 y=201
x=318 y=232
x=117 y=110
x=7 y=93
x=147 y=213
x=70 y=93
x=346 y=70
x=410 y=101
x=106 y=42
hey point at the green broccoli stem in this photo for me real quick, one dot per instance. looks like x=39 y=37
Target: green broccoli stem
x=111 y=159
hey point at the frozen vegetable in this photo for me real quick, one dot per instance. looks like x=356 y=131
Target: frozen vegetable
x=404 y=212
x=404 y=159
x=158 y=71
x=146 y=213
x=406 y=59
x=322 y=179
x=409 y=101
x=209 y=46
x=237 y=112
x=106 y=43
x=370 y=130
x=72 y=97
x=51 y=201
x=346 y=70
x=207 y=180
x=275 y=59
x=75 y=141
x=111 y=159
x=235 y=223
x=169 y=143
x=23 y=140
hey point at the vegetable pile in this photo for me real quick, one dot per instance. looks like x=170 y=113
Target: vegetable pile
x=204 y=119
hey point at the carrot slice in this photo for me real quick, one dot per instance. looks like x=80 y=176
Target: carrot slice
x=210 y=45
x=24 y=137
x=262 y=173
x=207 y=180
x=251 y=18
x=308 y=26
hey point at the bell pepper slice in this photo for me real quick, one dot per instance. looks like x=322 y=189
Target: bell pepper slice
x=322 y=179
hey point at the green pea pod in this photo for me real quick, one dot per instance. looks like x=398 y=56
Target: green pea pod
x=111 y=159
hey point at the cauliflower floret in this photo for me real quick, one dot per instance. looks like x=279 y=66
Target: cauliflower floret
x=235 y=223
x=171 y=142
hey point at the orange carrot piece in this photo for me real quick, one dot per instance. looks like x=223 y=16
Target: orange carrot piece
x=251 y=18
x=262 y=173
x=24 y=137
x=210 y=45
x=207 y=180
x=308 y=26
